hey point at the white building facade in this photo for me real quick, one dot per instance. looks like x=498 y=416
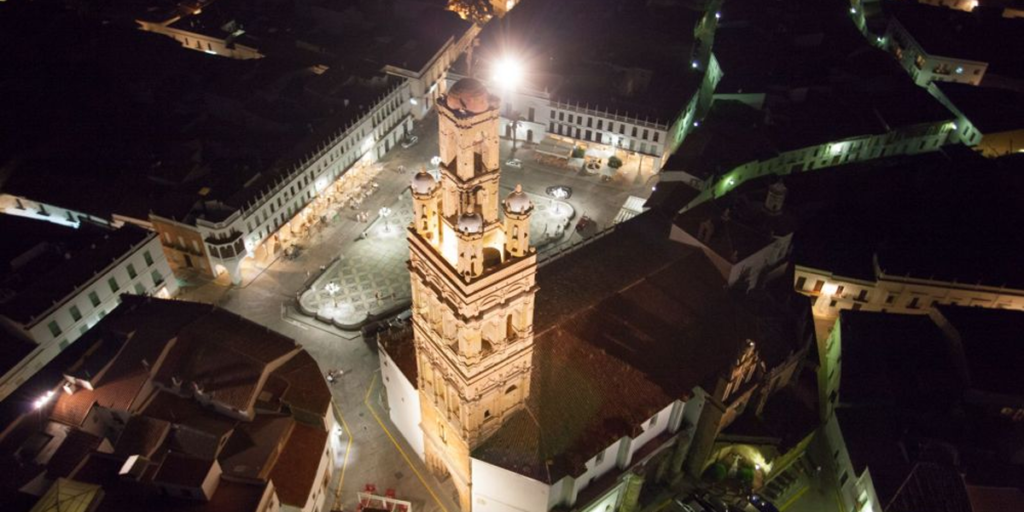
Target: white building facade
x=925 y=67
x=142 y=270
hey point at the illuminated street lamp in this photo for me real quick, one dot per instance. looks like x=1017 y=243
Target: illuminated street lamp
x=43 y=400
x=385 y=212
x=508 y=73
x=331 y=289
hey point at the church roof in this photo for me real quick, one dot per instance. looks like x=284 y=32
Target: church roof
x=624 y=329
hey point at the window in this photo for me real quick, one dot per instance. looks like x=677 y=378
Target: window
x=54 y=328
x=529 y=115
x=75 y=313
x=818 y=285
x=622 y=129
x=800 y=282
x=862 y=296
x=600 y=458
x=600 y=124
x=561 y=116
x=94 y=299
x=113 y=284
x=590 y=122
x=157 y=278
x=839 y=290
x=646 y=133
x=656 y=134
x=131 y=271
x=83 y=329
x=148 y=257
x=139 y=289
x=634 y=131
x=913 y=303
x=844 y=478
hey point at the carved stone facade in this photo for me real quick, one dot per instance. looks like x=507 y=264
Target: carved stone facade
x=473 y=287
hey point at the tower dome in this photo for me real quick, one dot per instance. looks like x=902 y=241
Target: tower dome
x=518 y=201
x=423 y=183
x=471 y=223
x=470 y=95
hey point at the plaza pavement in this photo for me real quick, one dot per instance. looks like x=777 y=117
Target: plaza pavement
x=370 y=449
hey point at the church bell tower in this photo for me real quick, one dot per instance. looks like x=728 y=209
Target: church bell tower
x=473 y=285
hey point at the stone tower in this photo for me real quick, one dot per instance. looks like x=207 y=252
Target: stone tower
x=473 y=286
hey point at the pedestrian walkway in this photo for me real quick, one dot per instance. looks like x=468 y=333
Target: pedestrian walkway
x=371 y=277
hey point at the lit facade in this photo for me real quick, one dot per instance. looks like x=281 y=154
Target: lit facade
x=896 y=293
x=908 y=140
x=473 y=286
x=924 y=67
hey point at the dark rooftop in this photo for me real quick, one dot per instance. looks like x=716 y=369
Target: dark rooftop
x=40 y=284
x=990 y=342
x=981 y=35
x=574 y=50
x=637 y=339
x=740 y=225
x=953 y=225
x=990 y=110
x=895 y=360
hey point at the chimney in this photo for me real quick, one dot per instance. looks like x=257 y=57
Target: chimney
x=776 y=197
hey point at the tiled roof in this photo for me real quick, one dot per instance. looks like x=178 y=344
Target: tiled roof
x=253 y=449
x=295 y=471
x=141 y=436
x=931 y=486
x=72 y=452
x=306 y=388
x=625 y=351
x=183 y=470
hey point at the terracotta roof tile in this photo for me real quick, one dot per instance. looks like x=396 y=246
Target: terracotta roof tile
x=295 y=471
x=72 y=453
x=142 y=436
x=307 y=390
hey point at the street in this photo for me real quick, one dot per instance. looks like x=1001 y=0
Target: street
x=370 y=450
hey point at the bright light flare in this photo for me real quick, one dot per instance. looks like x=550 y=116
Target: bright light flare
x=508 y=73
x=43 y=400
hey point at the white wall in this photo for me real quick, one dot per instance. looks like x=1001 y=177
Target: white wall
x=71 y=329
x=403 y=402
x=499 y=490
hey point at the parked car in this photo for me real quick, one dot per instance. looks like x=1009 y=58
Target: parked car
x=762 y=504
x=514 y=162
x=410 y=141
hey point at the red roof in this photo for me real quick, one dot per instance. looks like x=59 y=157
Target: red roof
x=295 y=471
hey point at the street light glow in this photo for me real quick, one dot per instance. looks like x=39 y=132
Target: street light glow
x=508 y=73
x=41 y=401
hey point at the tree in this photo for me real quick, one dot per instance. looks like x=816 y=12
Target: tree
x=514 y=120
x=477 y=11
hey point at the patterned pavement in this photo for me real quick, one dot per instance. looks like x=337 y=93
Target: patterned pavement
x=371 y=274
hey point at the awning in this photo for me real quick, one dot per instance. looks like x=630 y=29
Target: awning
x=555 y=147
